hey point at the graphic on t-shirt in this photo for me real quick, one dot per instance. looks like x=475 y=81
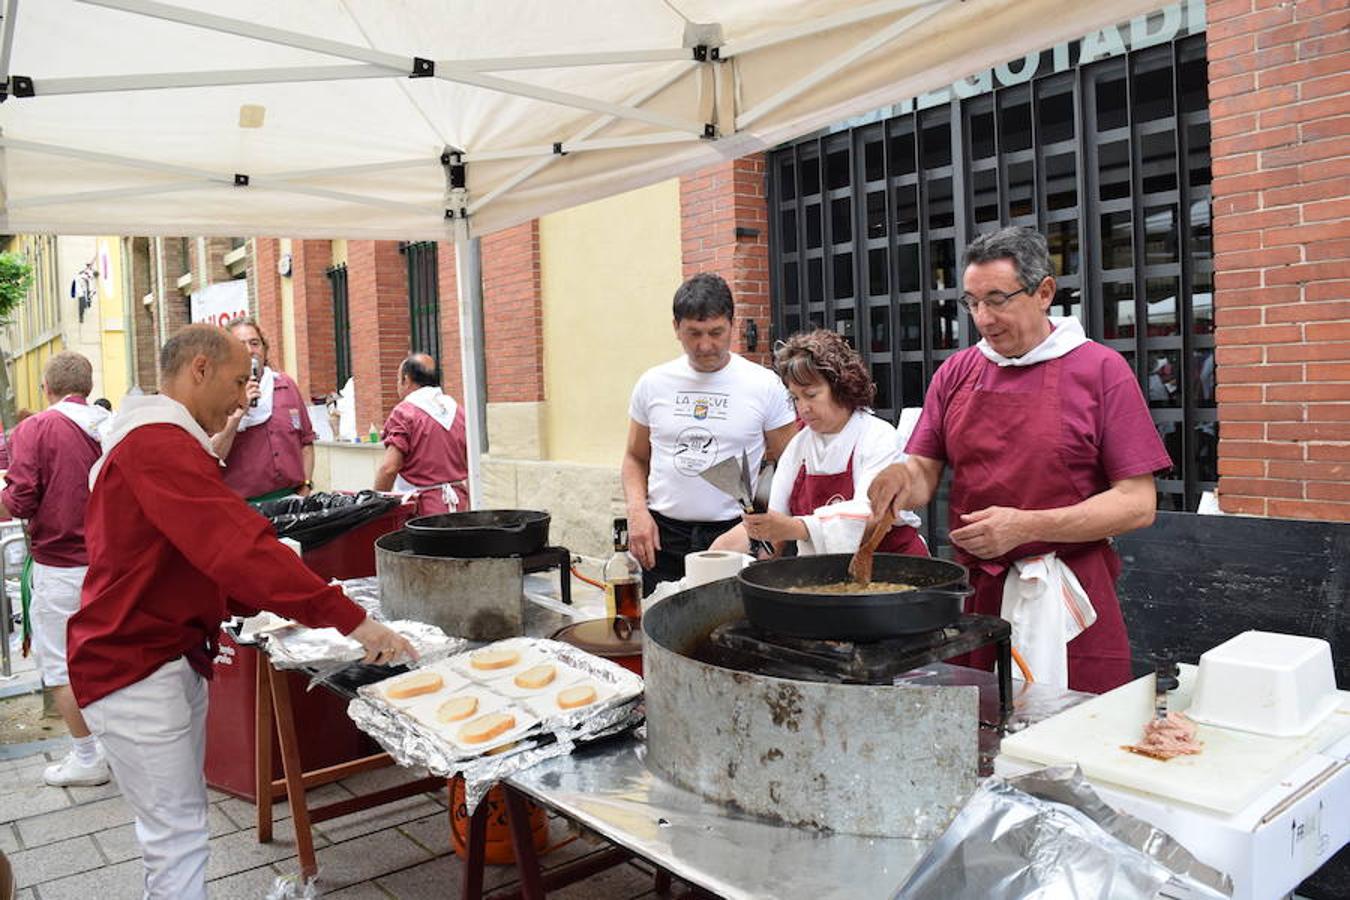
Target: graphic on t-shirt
x=695 y=450
x=701 y=405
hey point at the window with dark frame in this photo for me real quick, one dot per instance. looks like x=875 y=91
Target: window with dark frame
x=424 y=305
x=342 y=324
x=1109 y=160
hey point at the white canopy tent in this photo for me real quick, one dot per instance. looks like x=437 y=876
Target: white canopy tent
x=445 y=119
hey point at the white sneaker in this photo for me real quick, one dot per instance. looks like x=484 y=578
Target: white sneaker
x=68 y=772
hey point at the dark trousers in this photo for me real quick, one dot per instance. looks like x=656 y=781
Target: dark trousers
x=677 y=539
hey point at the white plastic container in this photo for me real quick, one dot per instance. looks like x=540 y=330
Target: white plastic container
x=1267 y=683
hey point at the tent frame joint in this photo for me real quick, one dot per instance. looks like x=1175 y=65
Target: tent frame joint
x=422 y=68
x=240 y=180
x=558 y=149
x=16 y=86
x=709 y=131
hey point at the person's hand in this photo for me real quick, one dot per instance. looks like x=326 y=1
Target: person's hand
x=887 y=492
x=304 y=490
x=733 y=540
x=774 y=527
x=252 y=391
x=643 y=539
x=992 y=531
x=384 y=646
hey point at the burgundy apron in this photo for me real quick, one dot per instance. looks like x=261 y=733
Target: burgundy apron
x=810 y=492
x=1005 y=449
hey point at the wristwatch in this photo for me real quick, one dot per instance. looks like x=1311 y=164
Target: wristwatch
x=307 y=484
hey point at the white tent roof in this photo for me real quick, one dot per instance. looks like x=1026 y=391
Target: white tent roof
x=135 y=117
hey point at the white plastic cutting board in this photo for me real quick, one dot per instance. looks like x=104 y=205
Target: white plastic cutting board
x=1234 y=767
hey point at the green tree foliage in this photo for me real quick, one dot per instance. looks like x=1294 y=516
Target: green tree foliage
x=16 y=278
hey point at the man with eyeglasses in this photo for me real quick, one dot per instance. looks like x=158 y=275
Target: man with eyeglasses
x=1052 y=451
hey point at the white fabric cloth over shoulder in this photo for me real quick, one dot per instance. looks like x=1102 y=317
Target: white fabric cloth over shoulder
x=435 y=403
x=156 y=409
x=93 y=420
x=1047 y=607
x=1066 y=335
x=257 y=415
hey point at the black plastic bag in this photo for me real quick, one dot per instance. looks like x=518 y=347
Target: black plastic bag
x=318 y=518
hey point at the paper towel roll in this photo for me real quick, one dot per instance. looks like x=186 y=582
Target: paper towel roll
x=711 y=565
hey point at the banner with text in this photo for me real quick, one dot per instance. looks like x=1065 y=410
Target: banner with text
x=219 y=303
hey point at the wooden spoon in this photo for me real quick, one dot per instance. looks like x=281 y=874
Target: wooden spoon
x=860 y=566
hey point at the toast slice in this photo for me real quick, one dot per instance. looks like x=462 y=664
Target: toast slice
x=485 y=728
x=414 y=685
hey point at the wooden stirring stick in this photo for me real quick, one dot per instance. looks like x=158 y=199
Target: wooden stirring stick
x=860 y=566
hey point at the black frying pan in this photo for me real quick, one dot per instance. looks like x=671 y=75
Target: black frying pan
x=479 y=533
x=940 y=588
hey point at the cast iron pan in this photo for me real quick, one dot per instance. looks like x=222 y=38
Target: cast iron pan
x=480 y=533
x=940 y=588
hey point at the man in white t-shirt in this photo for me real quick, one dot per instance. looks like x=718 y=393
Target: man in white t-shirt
x=685 y=415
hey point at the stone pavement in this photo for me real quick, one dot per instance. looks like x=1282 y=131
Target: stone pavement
x=78 y=843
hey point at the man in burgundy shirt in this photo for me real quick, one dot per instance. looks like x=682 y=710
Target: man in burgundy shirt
x=425 y=450
x=1052 y=451
x=172 y=552
x=268 y=442
x=48 y=484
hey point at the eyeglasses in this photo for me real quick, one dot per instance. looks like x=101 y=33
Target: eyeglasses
x=994 y=301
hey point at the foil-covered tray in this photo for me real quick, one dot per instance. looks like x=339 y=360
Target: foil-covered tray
x=403 y=730
x=299 y=647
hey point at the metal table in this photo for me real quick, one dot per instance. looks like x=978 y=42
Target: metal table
x=608 y=788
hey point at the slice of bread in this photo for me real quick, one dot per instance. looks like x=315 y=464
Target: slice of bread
x=537 y=676
x=576 y=697
x=490 y=658
x=485 y=728
x=457 y=708
x=414 y=685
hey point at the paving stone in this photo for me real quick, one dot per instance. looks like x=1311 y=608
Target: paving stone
x=619 y=882
x=369 y=890
x=9 y=840
x=16 y=775
x=75 y=821
x=252 y=883
x=365 y=858
x=54 y=861
x=379 y=779
x=437 y=879
x=119 y=843
x=241 y=851
x=245 y=814
x=33 y=800
x=124 y=881
x=97 y=792
x=344 y=828
x=25 y=894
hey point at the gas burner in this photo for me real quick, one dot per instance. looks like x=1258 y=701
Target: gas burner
x=738 y=644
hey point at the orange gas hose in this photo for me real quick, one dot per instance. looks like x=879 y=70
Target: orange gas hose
x=591 y=581
x=1022 y=664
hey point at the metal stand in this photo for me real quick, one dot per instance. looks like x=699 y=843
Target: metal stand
x=6 y=610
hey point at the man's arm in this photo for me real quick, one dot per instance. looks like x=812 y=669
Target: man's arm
x=307 y=460
x=1129 y=504
x=776 y=440
x=23 y=481
x=390 y=465
x=643 y=540
x=223 y=440
x=904 y=485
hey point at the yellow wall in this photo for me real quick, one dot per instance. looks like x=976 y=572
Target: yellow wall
x=291 y=356
x=35 y=331
x=112 y=301
x=608 y=271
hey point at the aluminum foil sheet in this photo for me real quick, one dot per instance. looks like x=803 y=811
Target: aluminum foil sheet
x=1047 y=834
x=411 y=743
x=298 y=647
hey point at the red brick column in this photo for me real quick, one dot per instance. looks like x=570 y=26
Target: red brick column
x=513 y=315
x=1280 y=110
x=377 y=294
x=315 y=350
x=447 y=292
x=267 y=283
x=714 y=203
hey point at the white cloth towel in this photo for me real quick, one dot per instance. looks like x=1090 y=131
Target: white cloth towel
x=93 y=420
x=156 y=409
x=257 y=415
x=1047 y=607
x=435 y=403
x=1066 y=335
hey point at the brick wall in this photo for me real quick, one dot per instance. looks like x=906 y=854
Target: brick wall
x=513 y=315
x=1280 y=110
x=447 y=291
x=143 y=330
x=176 y=311
x=377 y=290
x=267 y=283
x=315 y=347
x=714 y=202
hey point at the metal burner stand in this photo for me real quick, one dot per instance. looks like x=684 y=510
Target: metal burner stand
x=878 y=662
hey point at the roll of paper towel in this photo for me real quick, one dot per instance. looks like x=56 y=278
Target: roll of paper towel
x=712 y=565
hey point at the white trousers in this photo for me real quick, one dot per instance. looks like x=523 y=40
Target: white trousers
x=56 y=597
x=154 y=734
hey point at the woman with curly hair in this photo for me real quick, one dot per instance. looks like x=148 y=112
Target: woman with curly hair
x=819 y=495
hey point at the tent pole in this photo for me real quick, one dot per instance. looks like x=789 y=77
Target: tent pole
x=469 y=285
x=11 y=12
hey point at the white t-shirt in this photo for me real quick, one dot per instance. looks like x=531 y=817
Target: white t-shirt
x=870 y=442
x=701 y=418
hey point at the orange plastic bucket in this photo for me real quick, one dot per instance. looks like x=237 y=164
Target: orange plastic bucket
x=499 y=849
